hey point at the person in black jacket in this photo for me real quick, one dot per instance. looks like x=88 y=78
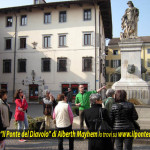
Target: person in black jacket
x=69 y=97
x=99 y=143
x=123 y=114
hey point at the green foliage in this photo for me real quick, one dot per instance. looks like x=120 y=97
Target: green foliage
x=34 y=123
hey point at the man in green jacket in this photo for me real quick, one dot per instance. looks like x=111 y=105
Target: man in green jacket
x=82 y=100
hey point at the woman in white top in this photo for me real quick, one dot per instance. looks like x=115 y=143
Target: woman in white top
x=64 y=119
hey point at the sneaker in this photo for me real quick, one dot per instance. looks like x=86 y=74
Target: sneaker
x=22 y=140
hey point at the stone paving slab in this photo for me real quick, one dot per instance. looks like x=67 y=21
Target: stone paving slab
x=36 y=110
x=51 y=144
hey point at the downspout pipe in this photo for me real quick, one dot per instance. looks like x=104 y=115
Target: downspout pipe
x=15 y=48
x=95 y=41
x=100 y=50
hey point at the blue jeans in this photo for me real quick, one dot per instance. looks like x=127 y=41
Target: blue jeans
x=26 y=126
x=20 y=123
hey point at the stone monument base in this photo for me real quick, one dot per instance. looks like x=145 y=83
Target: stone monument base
x=136 y=89
x=131 y=80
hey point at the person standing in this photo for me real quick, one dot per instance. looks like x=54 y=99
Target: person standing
x=123 y=115
x=110 y=94
x=82 y=101
x=49 y=104
x=69 y=97
x=93 y=114
x=64 y=119
x=5 y=116
x=21 y=111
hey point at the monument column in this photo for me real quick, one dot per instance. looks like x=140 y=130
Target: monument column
x=130 y=48
x=130 y=55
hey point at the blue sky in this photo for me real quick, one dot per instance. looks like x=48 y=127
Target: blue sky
x=118 y=9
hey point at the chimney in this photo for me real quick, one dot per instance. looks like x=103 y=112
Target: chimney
x=39 y=2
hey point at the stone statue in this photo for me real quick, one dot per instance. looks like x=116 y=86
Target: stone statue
x=129 y=22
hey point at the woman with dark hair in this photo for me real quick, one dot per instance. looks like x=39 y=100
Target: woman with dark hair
x=92 y=114
x=123 y=114
x=21 y=111
x=5 y=116
x=64 y=119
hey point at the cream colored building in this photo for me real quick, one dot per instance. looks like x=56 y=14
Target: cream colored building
x=113 y=60
x=53 y=46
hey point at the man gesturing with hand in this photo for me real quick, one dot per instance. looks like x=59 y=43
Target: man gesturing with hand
x=83 y=102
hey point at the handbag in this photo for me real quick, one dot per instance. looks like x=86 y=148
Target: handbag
x=103 y=125
x=136 y=125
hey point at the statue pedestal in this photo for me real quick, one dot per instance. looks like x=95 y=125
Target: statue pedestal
x=135 y=87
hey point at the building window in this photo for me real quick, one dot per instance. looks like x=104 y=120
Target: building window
x=62 y=16
x=75 y=88
x=64 y=88
x=148 y=62
x=22 y=42
x=21 y=65
x=62 y=40
x=23 y=20
x=147 y=76
x=107 y=63
x=87 y=39
x=46 y=62
x=8 y=44
x=87 y=63
x=148 y=51
x=47 y=40
x=7 y=66
x=115 y=63
x=106 y=52
x=4 y=86
x=9 y=21
x=87 y=14
x=61 y=64
x=47 y=18
x=107 y=78
x=115 y=77
x=115 y=52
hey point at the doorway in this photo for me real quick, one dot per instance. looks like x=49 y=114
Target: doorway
x=33 y=92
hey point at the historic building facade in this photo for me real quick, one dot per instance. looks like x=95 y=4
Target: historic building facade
x=113 y=60
x=53 y=46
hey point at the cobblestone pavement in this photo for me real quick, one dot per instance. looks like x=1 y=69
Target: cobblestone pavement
x=35 y=110
x=43 y=145
x=51 y=144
